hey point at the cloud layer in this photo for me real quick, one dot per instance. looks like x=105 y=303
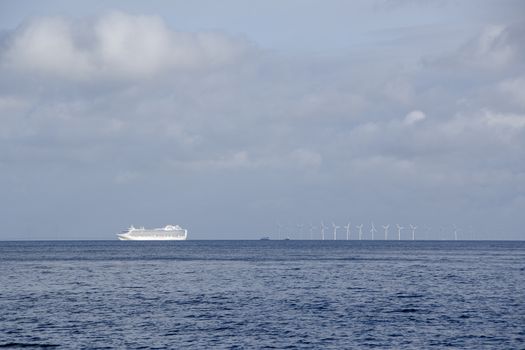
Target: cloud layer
x=115 y=45
x=122 y=113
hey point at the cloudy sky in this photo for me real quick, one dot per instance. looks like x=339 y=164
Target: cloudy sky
x=229 y=116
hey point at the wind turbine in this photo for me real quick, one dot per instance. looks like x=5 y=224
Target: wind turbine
x=470 y=232
x=455 y=232
x=335 y=230
x=442 y=230
x=413 y=228
x=372 y=230
x=280 y=227
x=399 y=228
x=360 y=228
x=300 y=227
x=312 y=231
x=347 y=231
x=322 y=230
x=385 y=227
x=427 y=232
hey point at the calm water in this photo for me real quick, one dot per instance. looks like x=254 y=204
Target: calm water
x=262 y=294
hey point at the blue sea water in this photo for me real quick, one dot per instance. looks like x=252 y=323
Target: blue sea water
x=262 y=294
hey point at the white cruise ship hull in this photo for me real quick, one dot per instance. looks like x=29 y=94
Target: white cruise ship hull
x=168 y=233
x=143 y=238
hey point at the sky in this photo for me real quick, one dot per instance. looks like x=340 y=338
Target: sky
x=230 y=117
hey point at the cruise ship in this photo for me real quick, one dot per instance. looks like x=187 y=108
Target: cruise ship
x=167 y=233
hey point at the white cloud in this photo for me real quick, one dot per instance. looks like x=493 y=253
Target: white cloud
x=505 y=120
x=115 y=45
x=494 y=48
x=327 y=104
x=414 y=117
x=400 y=90
x=484 y=126
x=126 y=177
x=233 y=160
x=47 y=45
x=307 y=158
x=10 y=103
x=515 y=89
x=133 y=44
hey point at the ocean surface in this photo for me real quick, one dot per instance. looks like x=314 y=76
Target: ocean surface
x=262 y=294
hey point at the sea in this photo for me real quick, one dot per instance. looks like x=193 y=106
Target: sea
x=262 y=294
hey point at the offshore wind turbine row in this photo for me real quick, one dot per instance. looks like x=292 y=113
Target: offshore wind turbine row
x=320 y=231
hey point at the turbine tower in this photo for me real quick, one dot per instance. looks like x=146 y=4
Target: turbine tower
x=312 y=231
x=335 y=230
x=322 y=230
x=442 y=230
x=399 y=228
x=372 y=230
x=470 y=232
x=413 y=228
x=279 y=229
x=347 y=231
x=455 y=232
x=385 y=227
x=427 y=232
x=300 y=228
x=360 y=228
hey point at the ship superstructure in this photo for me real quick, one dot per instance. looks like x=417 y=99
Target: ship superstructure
x=167 y=233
